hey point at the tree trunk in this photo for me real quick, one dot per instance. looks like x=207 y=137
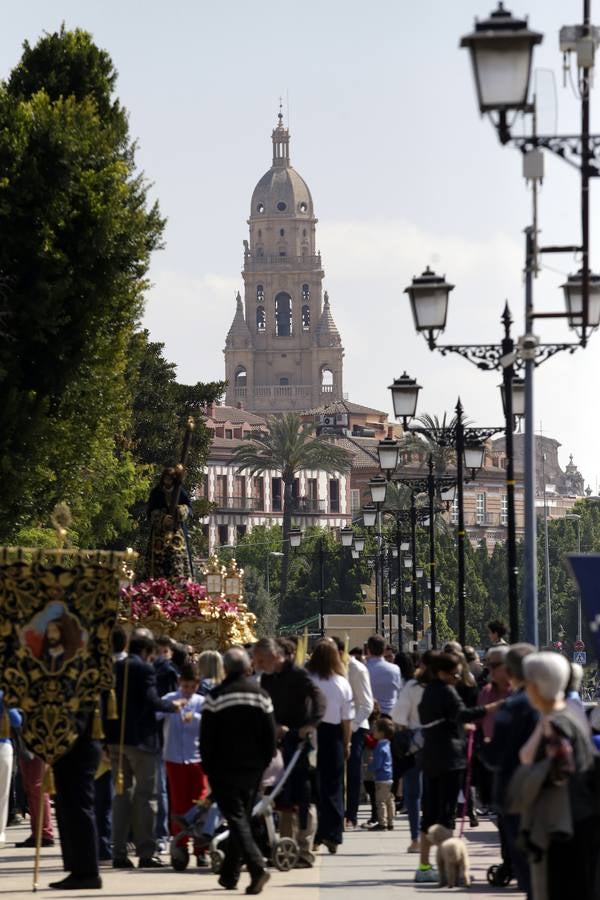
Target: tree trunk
x=287 y=523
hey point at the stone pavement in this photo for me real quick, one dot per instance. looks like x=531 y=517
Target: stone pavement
x=371 y=865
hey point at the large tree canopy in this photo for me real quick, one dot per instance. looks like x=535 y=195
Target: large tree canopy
x=77 y=233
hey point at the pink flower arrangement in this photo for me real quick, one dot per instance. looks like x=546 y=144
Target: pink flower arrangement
x=175 y=601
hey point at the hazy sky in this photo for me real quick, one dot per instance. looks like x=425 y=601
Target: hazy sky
x=403 y=173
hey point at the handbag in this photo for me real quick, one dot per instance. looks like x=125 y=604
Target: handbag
x=410 y=741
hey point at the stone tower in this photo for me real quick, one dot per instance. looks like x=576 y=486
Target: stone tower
x=283 y=350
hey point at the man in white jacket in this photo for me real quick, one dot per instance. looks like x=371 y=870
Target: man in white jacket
x=362 y=695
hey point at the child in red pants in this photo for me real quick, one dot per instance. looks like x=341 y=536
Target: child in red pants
x=185 y=776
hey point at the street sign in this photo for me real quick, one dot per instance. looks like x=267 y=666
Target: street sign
x=580 y=656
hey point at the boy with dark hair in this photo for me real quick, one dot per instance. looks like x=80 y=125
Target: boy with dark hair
x=383 y=731
x=185 y=775
x=497 y=631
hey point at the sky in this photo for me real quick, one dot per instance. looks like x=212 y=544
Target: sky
x=403 y=171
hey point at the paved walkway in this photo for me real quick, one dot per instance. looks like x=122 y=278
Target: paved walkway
x=369 y=866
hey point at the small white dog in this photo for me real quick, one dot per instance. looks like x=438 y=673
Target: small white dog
x=452 y=856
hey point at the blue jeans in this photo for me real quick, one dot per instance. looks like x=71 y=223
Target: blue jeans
x=353 y=774
x=411 y=781
x=161 y=828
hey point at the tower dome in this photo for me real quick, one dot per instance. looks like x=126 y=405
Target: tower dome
x=281 y=191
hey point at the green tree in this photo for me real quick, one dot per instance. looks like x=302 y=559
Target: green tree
x=78 y=231
x=261 y=603
x=161 y=408
x=289 y=446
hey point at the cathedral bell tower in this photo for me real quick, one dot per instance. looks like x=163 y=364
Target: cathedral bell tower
x=283 y=350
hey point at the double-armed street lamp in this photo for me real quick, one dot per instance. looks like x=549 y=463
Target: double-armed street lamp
x=501 y=49
x=469 y=445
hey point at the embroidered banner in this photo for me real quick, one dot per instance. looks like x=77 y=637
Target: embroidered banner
x=55 y=651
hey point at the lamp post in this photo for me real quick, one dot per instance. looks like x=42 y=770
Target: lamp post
x=378 y=489
x=577 y=519
x=501 y=53
x=470 y=451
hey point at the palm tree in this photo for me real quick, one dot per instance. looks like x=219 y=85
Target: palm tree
x=443 y=456
x=290 y=446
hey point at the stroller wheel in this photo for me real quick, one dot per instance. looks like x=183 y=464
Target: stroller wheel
x=491 y=874
x=499 y=876
x=285 y=854
x=216 y=861
x=180 y=858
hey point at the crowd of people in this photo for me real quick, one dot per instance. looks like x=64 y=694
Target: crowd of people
x=444 y=736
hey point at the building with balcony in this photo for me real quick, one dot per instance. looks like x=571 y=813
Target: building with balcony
x=241 y=501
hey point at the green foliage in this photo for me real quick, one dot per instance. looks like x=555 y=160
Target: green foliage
x=264 y=606
x=343 y=576
x=78 y=232
x=89 y=407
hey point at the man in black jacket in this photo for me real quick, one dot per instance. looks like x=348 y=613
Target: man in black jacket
x=138 y=702
x=237 y=743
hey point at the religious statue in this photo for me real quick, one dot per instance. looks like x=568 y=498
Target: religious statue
x=169 y=506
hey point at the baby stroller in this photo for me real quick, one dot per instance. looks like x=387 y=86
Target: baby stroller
x=282 y=851
x=200 y=823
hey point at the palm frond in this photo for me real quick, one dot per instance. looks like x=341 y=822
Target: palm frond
x=289 y=447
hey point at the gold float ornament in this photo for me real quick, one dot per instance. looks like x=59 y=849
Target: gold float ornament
x=189 y=612
x=214 y=575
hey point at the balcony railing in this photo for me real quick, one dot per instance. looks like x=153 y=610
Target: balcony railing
x=255 y=263
x=274 y=391
x=240 y=504
x=308 y=506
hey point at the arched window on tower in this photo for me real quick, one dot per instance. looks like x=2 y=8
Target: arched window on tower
x=283 y=314
x=261 y=319
x=306 y=293
x=240 y=381
x=260 y=293
x=305 y=317
x=326 y=380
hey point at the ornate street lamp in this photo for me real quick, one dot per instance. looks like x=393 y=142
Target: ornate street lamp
x=355 y=553
x=347 y=536
x=518 y=397
x=407 y=562
x=428 y=295
x=359 y=543
x=378 y=488
x=369 y=514
x=474 y=454
x=404 y=546
x=419 y=572
x=573 y=288
x=501 y=50
x=388 y=452
x=405 y=394
x=295 y=536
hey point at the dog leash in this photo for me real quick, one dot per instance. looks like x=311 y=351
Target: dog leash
x=467 y=781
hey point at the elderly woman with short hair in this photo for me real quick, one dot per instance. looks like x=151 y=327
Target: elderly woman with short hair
x=554 y=789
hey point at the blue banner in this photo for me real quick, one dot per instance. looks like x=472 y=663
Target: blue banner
x=586 y=569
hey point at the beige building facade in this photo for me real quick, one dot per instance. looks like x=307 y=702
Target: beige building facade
x=283 y=350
